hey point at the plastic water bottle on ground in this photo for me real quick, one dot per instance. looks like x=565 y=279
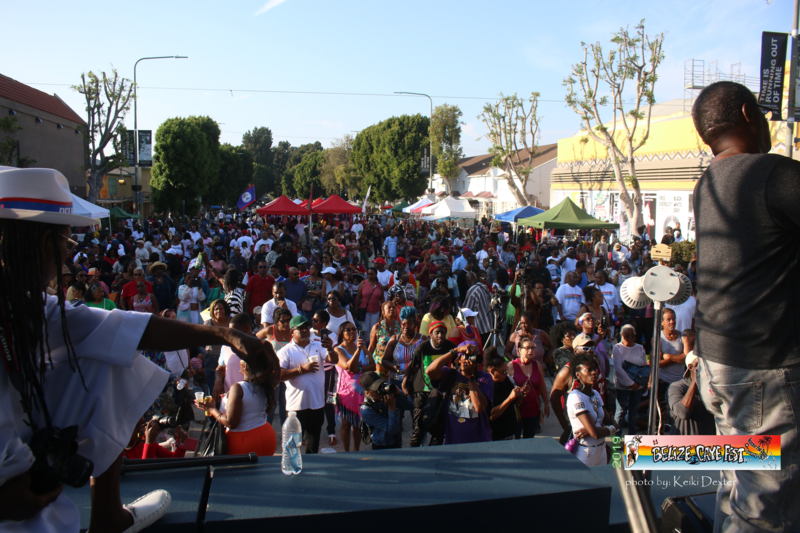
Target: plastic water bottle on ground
x=291 y=460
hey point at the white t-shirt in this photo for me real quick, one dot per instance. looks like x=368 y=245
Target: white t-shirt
x=577 y=403
x=571 y=299
x=195 y=235
x=246 y=241
x=621 y=353
x=230 y=362
x=268 y=242
x=567 y=266
x=480 y=256
x=269 y=309
x=174 y=360
x=610 y=296
x=384 y=278
x=306 y=391
x=335 y=322
x=671 y=373
x=684 y=313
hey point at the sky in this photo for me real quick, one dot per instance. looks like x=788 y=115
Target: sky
x=462 y=52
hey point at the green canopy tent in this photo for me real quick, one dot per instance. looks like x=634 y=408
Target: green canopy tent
x=566 y=215
x=399 y=207
x=118 y=212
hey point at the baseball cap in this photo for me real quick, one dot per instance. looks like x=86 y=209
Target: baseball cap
x=468 y=312
x=302 y=260
x=93 y=271
x=298 y=321
x=401 y=260
x=370 y=381
x=582 y=340
x=691 y=357
x=329 y=270
x=465 y=249
x=379 y=261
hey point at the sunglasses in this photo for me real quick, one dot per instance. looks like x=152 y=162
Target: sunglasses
x=350 y=330
x=284 y=320
x=262 y=267
x=71 y=245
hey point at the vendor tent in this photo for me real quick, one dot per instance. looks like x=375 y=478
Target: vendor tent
x=515 y=214
x=450 y=207
x=316 y=202
x=118 y=212
x=282 y=206
x=87 y=209
x=335 y=205
x=399 y=207
x=566 y=215
x=417 y=205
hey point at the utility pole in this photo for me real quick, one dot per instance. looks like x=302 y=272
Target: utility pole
x=791 y=110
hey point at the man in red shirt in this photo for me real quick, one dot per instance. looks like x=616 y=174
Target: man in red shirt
x=259 y=288
x=129 y=289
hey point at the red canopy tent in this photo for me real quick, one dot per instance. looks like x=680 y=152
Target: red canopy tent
x=316 y=202
x=282 y=206
x=334 y=205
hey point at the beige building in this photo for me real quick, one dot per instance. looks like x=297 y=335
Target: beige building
x=50 y=131
x=116 y=190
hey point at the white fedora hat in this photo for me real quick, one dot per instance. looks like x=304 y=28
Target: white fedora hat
x=38 y=195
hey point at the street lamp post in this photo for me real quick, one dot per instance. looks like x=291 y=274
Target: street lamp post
x=137 y=188
x=430 y=131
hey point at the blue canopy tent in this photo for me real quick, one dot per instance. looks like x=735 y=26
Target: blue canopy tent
x=516 y=214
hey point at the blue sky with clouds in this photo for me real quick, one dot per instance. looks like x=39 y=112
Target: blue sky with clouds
x=450 y=49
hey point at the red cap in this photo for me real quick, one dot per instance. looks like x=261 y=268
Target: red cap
x=379 y=261
x=401 y=260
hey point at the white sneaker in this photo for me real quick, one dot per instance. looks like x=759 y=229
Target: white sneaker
x=147 y=509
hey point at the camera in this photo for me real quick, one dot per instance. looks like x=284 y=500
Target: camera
x=196 y=282
x=499 y=298
x=167 y=422
x=605 y=322
x=57 y=460
x=387 y=389
x=473 y=357
x=492 y=262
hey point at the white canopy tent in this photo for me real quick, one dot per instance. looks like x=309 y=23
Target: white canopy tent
x=421 y=203
x=87 y=209
x=451 y=208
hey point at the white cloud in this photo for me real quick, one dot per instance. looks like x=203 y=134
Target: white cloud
x=269 y=5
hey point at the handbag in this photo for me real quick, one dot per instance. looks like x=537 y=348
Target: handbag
x=215 y=445
x=307 y=306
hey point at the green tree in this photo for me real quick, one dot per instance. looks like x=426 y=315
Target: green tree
x=108 y=99
x=295 y=156
x=186 y=163
x=258 y=142
x=446 y=136
x=338 y=172
x=9 y=146
x=308 y=173
x=633 y=60
x=387 y=155
x=235 y=175
x=514 y=134
x=264 y=180
x=280 y=158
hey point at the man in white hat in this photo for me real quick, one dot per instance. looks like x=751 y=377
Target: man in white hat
x=87 y=372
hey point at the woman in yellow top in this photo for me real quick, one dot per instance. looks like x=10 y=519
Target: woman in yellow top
x=440 y=310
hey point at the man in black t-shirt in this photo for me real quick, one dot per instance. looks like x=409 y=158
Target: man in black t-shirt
x=417 y=385
x=748 y=339
x=503 y=418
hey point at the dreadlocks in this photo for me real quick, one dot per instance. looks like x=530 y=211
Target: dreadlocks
x=22 y=305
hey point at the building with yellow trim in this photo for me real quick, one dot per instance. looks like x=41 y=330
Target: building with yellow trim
x=667 y=167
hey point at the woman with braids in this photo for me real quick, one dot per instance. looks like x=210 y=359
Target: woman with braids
x=387 y=327
x=53 y=351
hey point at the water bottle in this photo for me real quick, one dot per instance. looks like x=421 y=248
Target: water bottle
x=291 y=461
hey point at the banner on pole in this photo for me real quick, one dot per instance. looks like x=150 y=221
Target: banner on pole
x=364 y=207
x=773 y=61
x=145 y=148
x=128 y=147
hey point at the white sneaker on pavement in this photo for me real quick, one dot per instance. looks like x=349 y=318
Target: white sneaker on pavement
x=147 y=509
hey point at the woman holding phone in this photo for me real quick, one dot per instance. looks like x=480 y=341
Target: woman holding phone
x=352 y=361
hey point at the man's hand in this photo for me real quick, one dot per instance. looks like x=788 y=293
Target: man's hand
x=17 y=502
x=326 y=342
x=390 y=402
x=151 y=431
x=313 y=366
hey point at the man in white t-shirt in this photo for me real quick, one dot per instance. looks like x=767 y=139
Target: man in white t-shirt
x=245 y=241
x=384 y=276
x=194 y=233
x=611 y=299
x=684 y=313
x=480 y=253
x=357 y=228
x=264 y=240
x=305 y=381
x=568 y=263
x=570 y=298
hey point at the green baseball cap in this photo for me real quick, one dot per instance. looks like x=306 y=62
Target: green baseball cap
x=298 y=321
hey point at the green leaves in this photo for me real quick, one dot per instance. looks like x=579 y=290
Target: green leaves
x=307 y=174
x=186 y=162
x=446 y=136
x=387 y=155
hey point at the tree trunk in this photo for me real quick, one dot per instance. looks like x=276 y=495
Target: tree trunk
x=632 y=210
x=519 y=195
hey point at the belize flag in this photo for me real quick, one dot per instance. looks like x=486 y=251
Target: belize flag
x=247 y=197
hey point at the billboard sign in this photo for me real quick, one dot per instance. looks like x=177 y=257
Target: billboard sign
x=145 y=148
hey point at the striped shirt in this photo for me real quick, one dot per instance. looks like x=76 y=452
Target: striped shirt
x=478 y=299
x=235 y=300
